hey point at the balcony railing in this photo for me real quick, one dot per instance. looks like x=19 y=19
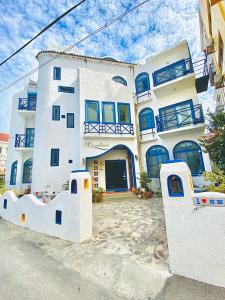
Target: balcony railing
x=107 y=128
x=180 y=118
x=24 y=141
x=27 y=104
x=173 y=71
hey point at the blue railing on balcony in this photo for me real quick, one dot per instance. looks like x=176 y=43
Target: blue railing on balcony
x=180 y=118
x=24 y=141
x=27 y=103
x=173 y=71
x=108 y=128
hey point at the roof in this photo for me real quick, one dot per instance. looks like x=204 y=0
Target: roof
x=102 y=59
x=4 y=137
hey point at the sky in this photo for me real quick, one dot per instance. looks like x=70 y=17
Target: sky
x=155 y=26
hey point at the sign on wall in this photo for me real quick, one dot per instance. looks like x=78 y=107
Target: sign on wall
x=208 y=201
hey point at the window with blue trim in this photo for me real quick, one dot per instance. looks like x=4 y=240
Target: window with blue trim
x=92 y=111
x=73 y=187
x=146 y=119
x=70 y=120
x=56 y=113
x=108 y=112
x=155 y=156
x=124 y=113
x=27 y=171
x=58 y=217
x=13 y=173
x=66 y=89
x=191 y=153
x=142 y=83
x=175 y=186
x=54 y=157
x=120 y=79
x=57 y=73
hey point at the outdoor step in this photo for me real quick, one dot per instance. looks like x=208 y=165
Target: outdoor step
x=117 y=196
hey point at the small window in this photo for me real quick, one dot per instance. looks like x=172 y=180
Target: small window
x=142 y=83
x=57 y=73
x=27 y=171
x=108 y=112
x=66 y=89
x=175 y=187
x=70 y=161
x=86 y=185
x=74 y=186
x=70 y=120
x=124 y=113
x=5 y=204
x=54 y=157
x=55 y=113
x=92 y=111
x=23 y=218
x=58 y=217
x=13 y=173
x=146 y=119
x=120 y=79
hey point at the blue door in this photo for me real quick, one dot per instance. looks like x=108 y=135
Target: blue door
x=116 y=175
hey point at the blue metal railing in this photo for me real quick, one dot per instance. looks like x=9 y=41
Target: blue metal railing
x=27 y=103
x=173 y=71
x=107 y=128
x=180 y=118
x=24 y=141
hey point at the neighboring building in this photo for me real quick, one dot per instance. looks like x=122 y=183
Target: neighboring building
x=212 y=24
x=114 y=118
x=4 y=137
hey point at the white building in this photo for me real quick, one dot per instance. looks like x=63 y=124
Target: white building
x=114 y=118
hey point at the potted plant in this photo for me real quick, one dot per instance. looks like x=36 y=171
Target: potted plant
x=145 y=182
x=97 y=195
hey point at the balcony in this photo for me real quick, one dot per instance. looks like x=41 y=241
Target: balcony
x=111 y=129
x=24 y=142
x=201 y=75
x=181 y=119
x=27 y=106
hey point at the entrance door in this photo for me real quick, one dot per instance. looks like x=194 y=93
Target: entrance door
x=116 y=175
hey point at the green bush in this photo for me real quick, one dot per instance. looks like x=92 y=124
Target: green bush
x=145 y=181
x=217 y=177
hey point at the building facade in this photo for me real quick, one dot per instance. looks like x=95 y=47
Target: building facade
x=113 y=118
x=4 y=137
x=212 y=25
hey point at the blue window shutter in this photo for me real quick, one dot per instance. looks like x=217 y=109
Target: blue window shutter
x=70 y=120
x=58 y=217
x=56 y=113
x=13 y=173
x=54 y=157
x=66 y=89
x=57 y=73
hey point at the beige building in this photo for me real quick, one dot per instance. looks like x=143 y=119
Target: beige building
x=212 y=24
x=4 y=137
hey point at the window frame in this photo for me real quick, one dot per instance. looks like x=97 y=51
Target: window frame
x=147 y=154
x=173 y=195
x=70 y=91
x=55 y=69
x=13 y=169
x=53 y=113
x=27 y=174
x=138 y=79
x=52 y=163
x=67 y=125
x=119 y=104
x=86 y=111
x=119 y=79
x=152 y=121
x=103 y=112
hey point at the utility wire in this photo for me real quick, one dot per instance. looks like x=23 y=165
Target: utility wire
x=43 y=30
x=74 y=45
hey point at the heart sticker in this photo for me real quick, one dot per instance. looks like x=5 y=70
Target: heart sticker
x=204 y=200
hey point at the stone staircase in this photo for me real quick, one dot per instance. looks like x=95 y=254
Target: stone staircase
x=119 y=196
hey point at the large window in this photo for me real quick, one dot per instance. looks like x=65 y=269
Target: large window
x=120 y=79
x=57 y=73
x=70 y=120
x=13 y=173
x=142 y=83
x=54 y=157
x=146 y=119
x=154 y=157
x=191 y=153
x=108 y=112
x=55 y=113
x=27 y=171
x=92 y=111
x=124 y=113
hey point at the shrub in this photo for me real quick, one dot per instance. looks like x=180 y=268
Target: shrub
x=217 y=177
x=145 y=181
x=97 y=195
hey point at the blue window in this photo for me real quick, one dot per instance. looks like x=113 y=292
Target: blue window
x=5 y=204
x=57 y=73
x=175 y=186
x=74 y=186
x=120 y=79
x=92 y=114
x=27 y=171
x=13 y=173
x=58 y=217
x=155 y=156
x=124 y=113
x=66 y=89
x=191 y=153
x=55 y=113
x=108 y=112
x=142 y=83
x=146 y=119
x=70 y=120
x=54 y=157
x=29 y=137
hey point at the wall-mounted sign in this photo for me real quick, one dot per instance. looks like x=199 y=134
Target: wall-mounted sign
x=206 y=201
x=100 y=145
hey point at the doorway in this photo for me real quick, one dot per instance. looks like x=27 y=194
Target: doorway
x=116 y=175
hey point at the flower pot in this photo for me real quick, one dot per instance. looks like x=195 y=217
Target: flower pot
x=147 y=195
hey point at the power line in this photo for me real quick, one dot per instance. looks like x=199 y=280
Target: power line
x=75 y=45
x=43 y=30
